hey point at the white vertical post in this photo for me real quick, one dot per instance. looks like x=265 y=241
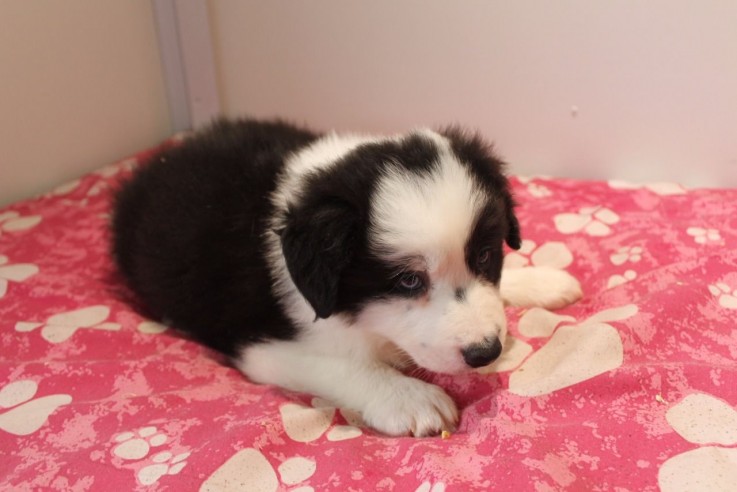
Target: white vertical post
x=187 y=60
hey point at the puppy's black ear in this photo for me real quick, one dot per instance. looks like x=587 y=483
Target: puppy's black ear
x=513 y=238
x=318 y=243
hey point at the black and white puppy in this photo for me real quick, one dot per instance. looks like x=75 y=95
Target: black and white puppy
x=327 y=263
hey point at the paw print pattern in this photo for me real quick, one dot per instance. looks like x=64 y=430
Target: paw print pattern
x=616 y=280
x=594 y=221
x=573 y=354
x=553 y=254
x=704 y=236
x=295 y=470
x=537 y=190
x=126 y=165
x=165 y=463
x=107 y=172
x=711 y=423
x=27 y=414
x=13 y=221
x=428 y=486
x=137 y=445
x=60 y=327
x=248 y=469
x=151 y=327
x=625 y=254
x=632 y=254
x=727 y=297
x=65 y=188
x=14 y=273
x=662 y=188
x=306 y=424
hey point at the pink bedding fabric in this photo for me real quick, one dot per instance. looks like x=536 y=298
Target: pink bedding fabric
x=633 y=388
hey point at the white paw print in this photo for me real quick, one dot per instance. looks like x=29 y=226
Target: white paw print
x=151 y=327
x=137 y=445
x=306 y=424
x=711 y=423
x=97 y=188
x=65 y=188
x=573 y=353
x=60 y=327
x=625 y=254
x=535 y=189
x=13 y=221
x=594 y=221
x=553 y=254
x=14 y=273
x=617 y=280
x=704 y=236
x=633 y=254
x=727 y=296
x=165 y=463
x=428 y=486
x=662 y=188
x=27 y=414
x=538 y=190
x=126 y=165
x=248 y=469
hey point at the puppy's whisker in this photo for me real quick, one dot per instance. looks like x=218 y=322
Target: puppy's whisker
x=421 y=374
x=399 y=358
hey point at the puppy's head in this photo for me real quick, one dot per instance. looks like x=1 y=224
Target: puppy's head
x=405 y=238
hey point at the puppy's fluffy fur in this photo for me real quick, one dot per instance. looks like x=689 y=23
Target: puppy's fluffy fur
x=326 y=263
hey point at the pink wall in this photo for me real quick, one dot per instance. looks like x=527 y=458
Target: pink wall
x=654 y=83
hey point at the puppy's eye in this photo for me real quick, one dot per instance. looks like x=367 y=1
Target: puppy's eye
x=412 y=282
x=484 y=257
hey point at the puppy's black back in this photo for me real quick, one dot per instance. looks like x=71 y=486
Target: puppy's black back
x=187 y=232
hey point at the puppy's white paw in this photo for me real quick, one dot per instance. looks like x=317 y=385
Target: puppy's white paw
x=563 y=290
x=412 y=407
x=544 y=287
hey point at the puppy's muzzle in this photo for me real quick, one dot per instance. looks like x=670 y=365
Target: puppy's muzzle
x=482 y=354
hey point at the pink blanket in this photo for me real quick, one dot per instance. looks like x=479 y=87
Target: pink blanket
x=633 y=388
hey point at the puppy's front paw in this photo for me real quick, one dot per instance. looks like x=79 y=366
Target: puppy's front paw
x=544 y=287
x=563 y=289
x=412 y=407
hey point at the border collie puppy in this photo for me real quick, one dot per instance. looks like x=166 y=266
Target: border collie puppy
x=327 y=264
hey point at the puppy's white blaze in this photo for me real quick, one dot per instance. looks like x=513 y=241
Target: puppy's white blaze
x=434 y=331
x=430 y=214
x=322 y=154
x=325 y=152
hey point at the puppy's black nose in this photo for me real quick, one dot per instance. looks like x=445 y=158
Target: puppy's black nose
x=482 y=354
